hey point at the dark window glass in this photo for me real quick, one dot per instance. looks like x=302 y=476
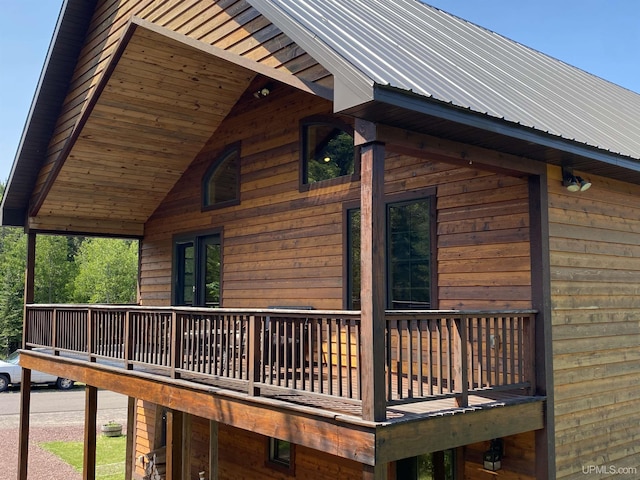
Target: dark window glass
x=198 y=272
x=221 y=184
x=408 y=255
x=328 y=152
x=281 y=455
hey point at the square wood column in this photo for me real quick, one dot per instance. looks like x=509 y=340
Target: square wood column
x=372 y=270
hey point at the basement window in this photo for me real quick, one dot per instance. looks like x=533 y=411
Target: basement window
x=221 y=182
x=281 y=455
x=327 y=150
x=430 y=466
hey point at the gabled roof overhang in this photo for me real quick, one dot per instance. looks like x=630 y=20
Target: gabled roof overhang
x=162 y=96
x=358 y=93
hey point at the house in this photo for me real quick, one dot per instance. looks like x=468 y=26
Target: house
x=374 y=239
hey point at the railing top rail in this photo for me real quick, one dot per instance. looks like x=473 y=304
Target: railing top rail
x=274 y=312
x=403 y=314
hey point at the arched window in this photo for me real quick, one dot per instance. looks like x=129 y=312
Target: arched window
x=221 y=182
x=327 y=150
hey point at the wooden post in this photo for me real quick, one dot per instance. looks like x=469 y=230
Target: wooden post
x=174 y=444
x=90 y=414
x=372 y=289
x=255 y=362
x=213 y=450
x=29 y=282
x=128 y=340
x=131 y=434
x=25 y=407
x=541 y=301
x=379 y=472
x=462 y=367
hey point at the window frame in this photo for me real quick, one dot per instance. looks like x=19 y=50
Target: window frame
x=211 y=170
x=401 y=198
x=199 y=240
x=278 y=464
x=335 y=122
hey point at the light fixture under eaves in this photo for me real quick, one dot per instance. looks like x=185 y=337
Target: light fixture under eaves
x=572 y=182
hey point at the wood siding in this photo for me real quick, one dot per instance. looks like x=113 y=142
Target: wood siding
x=286 y=247
x=227 y=24
x=595 y=278
x=518 y=463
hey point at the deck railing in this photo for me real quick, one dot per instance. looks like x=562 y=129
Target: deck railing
x=428 y=353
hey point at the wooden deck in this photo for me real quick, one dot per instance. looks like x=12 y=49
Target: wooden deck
x=435 y=360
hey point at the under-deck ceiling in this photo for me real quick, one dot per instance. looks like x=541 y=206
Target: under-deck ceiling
x=159 y=101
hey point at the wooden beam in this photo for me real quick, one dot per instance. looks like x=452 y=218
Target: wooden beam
x=25 y=408
x=175 y=420
x=372 y=266
x=377 y=472
x=422 y=145
x=408 y=439
x=90 y=424
x=131 y=434
x=344 y=437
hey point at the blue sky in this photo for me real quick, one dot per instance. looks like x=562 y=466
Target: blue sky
x=599 y=36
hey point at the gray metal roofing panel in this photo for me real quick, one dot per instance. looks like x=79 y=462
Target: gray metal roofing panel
x=414 y=47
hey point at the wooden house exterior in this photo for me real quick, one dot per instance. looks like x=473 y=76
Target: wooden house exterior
x=445 y=294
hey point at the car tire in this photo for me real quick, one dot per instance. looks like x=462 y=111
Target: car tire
x=4 y=383
x=64 y=383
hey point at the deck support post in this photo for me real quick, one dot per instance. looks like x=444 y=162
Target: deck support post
x=90 y=424
x=372 y=270
x=379 y=472
x=175 y=420
x=213 y=450
x=131 y=434
x=25 y=407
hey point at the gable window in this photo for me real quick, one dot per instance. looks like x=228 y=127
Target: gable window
x=221 y=182
x=281 y=454
x=408 y=257
x=327 y=150
x=197 y=270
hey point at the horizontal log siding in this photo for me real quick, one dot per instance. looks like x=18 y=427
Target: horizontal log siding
x=595 y=284
x=244 y=454
x=518 y=463
x=228 y=24
x=283 y=247
x=146 y=435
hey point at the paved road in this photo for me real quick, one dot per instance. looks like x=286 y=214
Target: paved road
x=55 y=407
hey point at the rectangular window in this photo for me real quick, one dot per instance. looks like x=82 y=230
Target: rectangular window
x=197 y=267
x=409 y=255
x=281 y=455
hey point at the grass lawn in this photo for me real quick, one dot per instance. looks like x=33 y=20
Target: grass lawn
x=110 y=455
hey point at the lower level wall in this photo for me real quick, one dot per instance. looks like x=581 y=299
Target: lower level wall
x=244 y=455
x=518 y=463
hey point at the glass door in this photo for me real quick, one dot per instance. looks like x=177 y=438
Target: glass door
x=197 y=261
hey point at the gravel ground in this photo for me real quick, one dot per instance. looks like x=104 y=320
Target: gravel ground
x=42 y=464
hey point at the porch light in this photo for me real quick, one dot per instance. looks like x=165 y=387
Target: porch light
x=572 y=182
x=493 y=456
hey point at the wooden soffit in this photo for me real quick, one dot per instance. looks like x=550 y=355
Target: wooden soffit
x=160 y=99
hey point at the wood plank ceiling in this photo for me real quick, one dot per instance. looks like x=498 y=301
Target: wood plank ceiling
x=158 y=103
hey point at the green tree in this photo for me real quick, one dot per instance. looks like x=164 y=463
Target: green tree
x=13 y=251
x=55 y=269
x=107 y=271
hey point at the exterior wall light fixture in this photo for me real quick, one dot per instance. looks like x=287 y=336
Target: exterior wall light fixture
x=493 y=456
x=573 y=182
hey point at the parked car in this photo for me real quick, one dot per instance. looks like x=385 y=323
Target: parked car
x=11 y=374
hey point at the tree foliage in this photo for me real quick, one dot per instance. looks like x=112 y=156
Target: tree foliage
x=67 y=270
x=106 y=271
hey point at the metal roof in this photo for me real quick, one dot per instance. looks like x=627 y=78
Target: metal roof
x=419 y=49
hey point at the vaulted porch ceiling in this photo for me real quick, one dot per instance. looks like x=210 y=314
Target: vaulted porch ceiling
x=160 y=99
